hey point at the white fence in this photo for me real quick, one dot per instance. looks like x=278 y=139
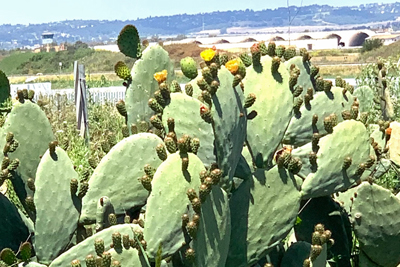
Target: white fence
x=97 y=95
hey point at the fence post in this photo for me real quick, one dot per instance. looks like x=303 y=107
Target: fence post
x=80 y=101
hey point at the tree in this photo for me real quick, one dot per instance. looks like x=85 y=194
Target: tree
x=371 y=44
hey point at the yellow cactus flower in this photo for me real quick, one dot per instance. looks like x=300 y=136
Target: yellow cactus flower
x=207 y=55
x=232 y=66
x=161 y=76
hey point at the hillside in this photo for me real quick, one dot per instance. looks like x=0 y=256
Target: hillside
x=13 y=36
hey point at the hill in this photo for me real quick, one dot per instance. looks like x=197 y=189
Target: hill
x=13 y=36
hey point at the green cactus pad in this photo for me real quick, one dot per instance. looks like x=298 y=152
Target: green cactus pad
x=154 y=59
x=182 y=107
x=253 y=233
x=57 y=211
x=378 y=135
x=31 y=264
x=212 y=241
x=4 y=87
x=14 y=230
x=377 y=224
x=349 y=139
x=189 y=68
x=129 y=42
x=364 y=261
x=273 y=108
x=86 y=247
x=117 y=175
x=32 y=130
x=229 y=124
x=301 y=128
x=168 y=202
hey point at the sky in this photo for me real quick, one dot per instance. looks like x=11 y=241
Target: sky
x=43 y=11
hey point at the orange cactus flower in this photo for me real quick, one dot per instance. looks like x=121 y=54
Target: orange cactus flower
x=388 y=131
x=161 y=76
x=232 y=66
x=214 y=48
x=207 y=55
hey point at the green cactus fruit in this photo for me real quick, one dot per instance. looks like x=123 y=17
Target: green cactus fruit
x=276 y=61
x=346 y=163
x=31 y=184
x=192 y=228
x=249 y=101
x=25 y=251
x=13 y=146
x=185 y=163
x=346 y=115
x=207 y=75
x=122 y=71
x=189 y=89
x=298 y=90
x=312 y=158
x=175 y=87
x=30 y=204
x=289 y=53
x=293 y=81
x=121 y=108
x=203 y=84
x=129 y=42
x=295 y=165
x=83 y=189
x=31 y=95
x=271 y=49
x=327 y=85
x=90 y=261
x=190 y=255
x=314 y=70
x=255 y=54
x=339 y=82
x=5 y=162
x=319 y=84
x=205 y=114
x=297 y=104
x=9 y=137
x=194 y=145
x=280 y=50
x=13 y=165
x=156 y=122
x=74 y=186
x=314 y=141
x=8 y=256
x=354 y=112
x=117 y=240
x=159 y=97
x=155 y=106
x=206 y=96
x=191 y=194
x=112 y=219
x=106 y=259
x=161 y=152
x=315 y=252
x=170 y=144
x=223 y=58
x=4 y=87
x=99 y=246
x=328 y=124
x=146 y=182
x=246 y=59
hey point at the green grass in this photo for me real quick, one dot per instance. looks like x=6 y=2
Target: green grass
x=10 y=63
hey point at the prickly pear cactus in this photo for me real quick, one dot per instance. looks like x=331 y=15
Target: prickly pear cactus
x=349 y=142
x=365 y=96
x=117 y=175
x=32 y=130
x=323 y=104
x=229 y=124
x=305 y=79
x=271 y=112
x=57 y=208
x=182 y=107
x=377 y=224
x=154 y=59
x=254 y=234
x=168 y=202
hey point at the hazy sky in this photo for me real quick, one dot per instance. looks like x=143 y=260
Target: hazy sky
x=39 y=11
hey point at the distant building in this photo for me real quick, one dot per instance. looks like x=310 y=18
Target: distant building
x=47 y=38
x=387 y=38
